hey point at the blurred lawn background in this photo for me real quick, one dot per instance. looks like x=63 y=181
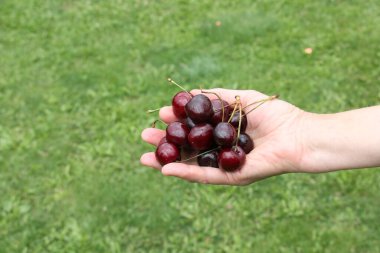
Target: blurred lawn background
x=77 y=76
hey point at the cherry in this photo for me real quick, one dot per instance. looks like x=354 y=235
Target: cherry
x=194 y=132
x=163 y=140
x=246 y=143
x=224 y=134
x=189 y=123
x=201 y=136
x=179 y=101
x=209 y=159
x=217 y=107
x=235 y=121
x=167 y=153
x=240 y=152
x=231 y=159
x=199 y=109
x=176 y=133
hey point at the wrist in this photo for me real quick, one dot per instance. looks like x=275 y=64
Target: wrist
x=320 y=135
x=327 y=145
x=340 y=141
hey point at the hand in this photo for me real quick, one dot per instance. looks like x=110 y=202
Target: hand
x=275 y=128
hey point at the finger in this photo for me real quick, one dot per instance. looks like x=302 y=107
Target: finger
x=152 y=135
x=167 y=115
x=194 y=173
x=149 y=159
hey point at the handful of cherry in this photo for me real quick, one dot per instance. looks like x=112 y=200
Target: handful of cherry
x=212 y=128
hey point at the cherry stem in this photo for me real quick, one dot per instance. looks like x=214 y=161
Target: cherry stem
x=262 y=100
x=155 y=122
x=173 y=82
x=208 y=151
x=239 y=127
x=220 y=99
x=224 y=107
x=153 y=110
x=257 y=106
x=236 y=105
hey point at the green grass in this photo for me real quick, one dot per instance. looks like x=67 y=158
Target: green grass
x=77 y=76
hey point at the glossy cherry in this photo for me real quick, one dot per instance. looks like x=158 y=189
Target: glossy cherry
x=246 y=143
x=217 y=107
x=179 y=102
x=231 y=159
x=201 y=137
x=167 y=153
x=199 y=109
x=235 y=121
x=240 y=152
x=209 y=159
x=224 y=134
x=176 y=133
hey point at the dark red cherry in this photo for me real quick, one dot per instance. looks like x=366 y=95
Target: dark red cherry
x=209 y=159
x=176 y=133
x=189 y=123
x=235 y=121
x=201 y=136
x=217 y=107
x=179 y=102
x=246 y=143
x=199 y=109
x=231 y=159
x=240 y=152
x=167 y=153
x=163 y=140
x=224 y=134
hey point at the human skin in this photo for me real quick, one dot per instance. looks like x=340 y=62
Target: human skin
x=287 y=140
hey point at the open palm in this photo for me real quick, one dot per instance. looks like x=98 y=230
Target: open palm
x=274 y=127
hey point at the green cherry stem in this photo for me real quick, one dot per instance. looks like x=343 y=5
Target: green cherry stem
x=153 y=110
x=236 y=105
x=233 y=104
x=173 y=82
x=262 y=100
x=155 y=122
x=220 y=99
x=208 y=151
x=239 y=127
x=257 y=106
